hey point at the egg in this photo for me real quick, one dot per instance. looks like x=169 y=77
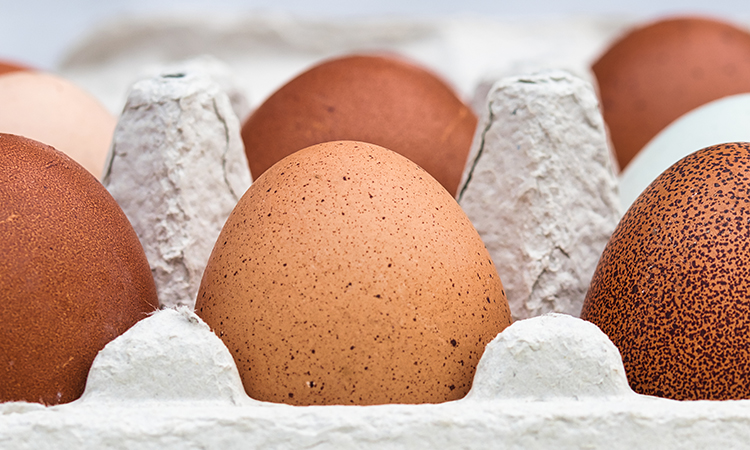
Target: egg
x=671 y=289
x=716 y=122
x=73 y=274
x=8 y=67
x=656 y=73
x=383 y=100
x=52 y=110
x=346 y=274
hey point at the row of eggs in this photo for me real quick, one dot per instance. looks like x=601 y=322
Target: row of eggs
x=669 y=289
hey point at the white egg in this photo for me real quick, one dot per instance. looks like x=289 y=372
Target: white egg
x=721 y=121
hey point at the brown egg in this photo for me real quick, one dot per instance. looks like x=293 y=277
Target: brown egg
x=347 y=275
x=73 y=274
x=383 y=100
x=672 y=288
x=8 y=67
x=52 y=110
x=659 y=72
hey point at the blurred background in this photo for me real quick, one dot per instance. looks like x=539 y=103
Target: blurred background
x=39 y=32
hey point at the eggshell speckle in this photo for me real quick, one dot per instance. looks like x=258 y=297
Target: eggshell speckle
x=671 y=288
x=657 y=73
x=347 y=275
x=50 y=109
x=383 y=100
x=73 y=275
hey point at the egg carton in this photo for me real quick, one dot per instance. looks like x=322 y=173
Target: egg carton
x=553 y=381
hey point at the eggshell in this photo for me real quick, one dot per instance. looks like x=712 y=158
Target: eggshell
x=379 y=99
x=73 y=275
x=52 y=110
x=347 y=275
x=657 y=73
x=671 y=288
x=716 y=122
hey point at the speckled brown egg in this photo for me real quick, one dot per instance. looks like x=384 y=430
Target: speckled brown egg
x=347 y=275
x=672 y=288
x=384 y=100
x=52 y=110
x=73 y=275
x=657 y=73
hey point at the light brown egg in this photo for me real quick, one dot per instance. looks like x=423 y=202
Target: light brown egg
x=346 y=274
x=73 y=275
x=49 y=109
x=658 y=72
x=672 y=288
x=384 y=100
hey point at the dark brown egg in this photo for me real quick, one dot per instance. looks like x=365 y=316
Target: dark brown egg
x=672 y=288
x=383 y=100
x=347 y=275
x=657 y=73
x=73 y=274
